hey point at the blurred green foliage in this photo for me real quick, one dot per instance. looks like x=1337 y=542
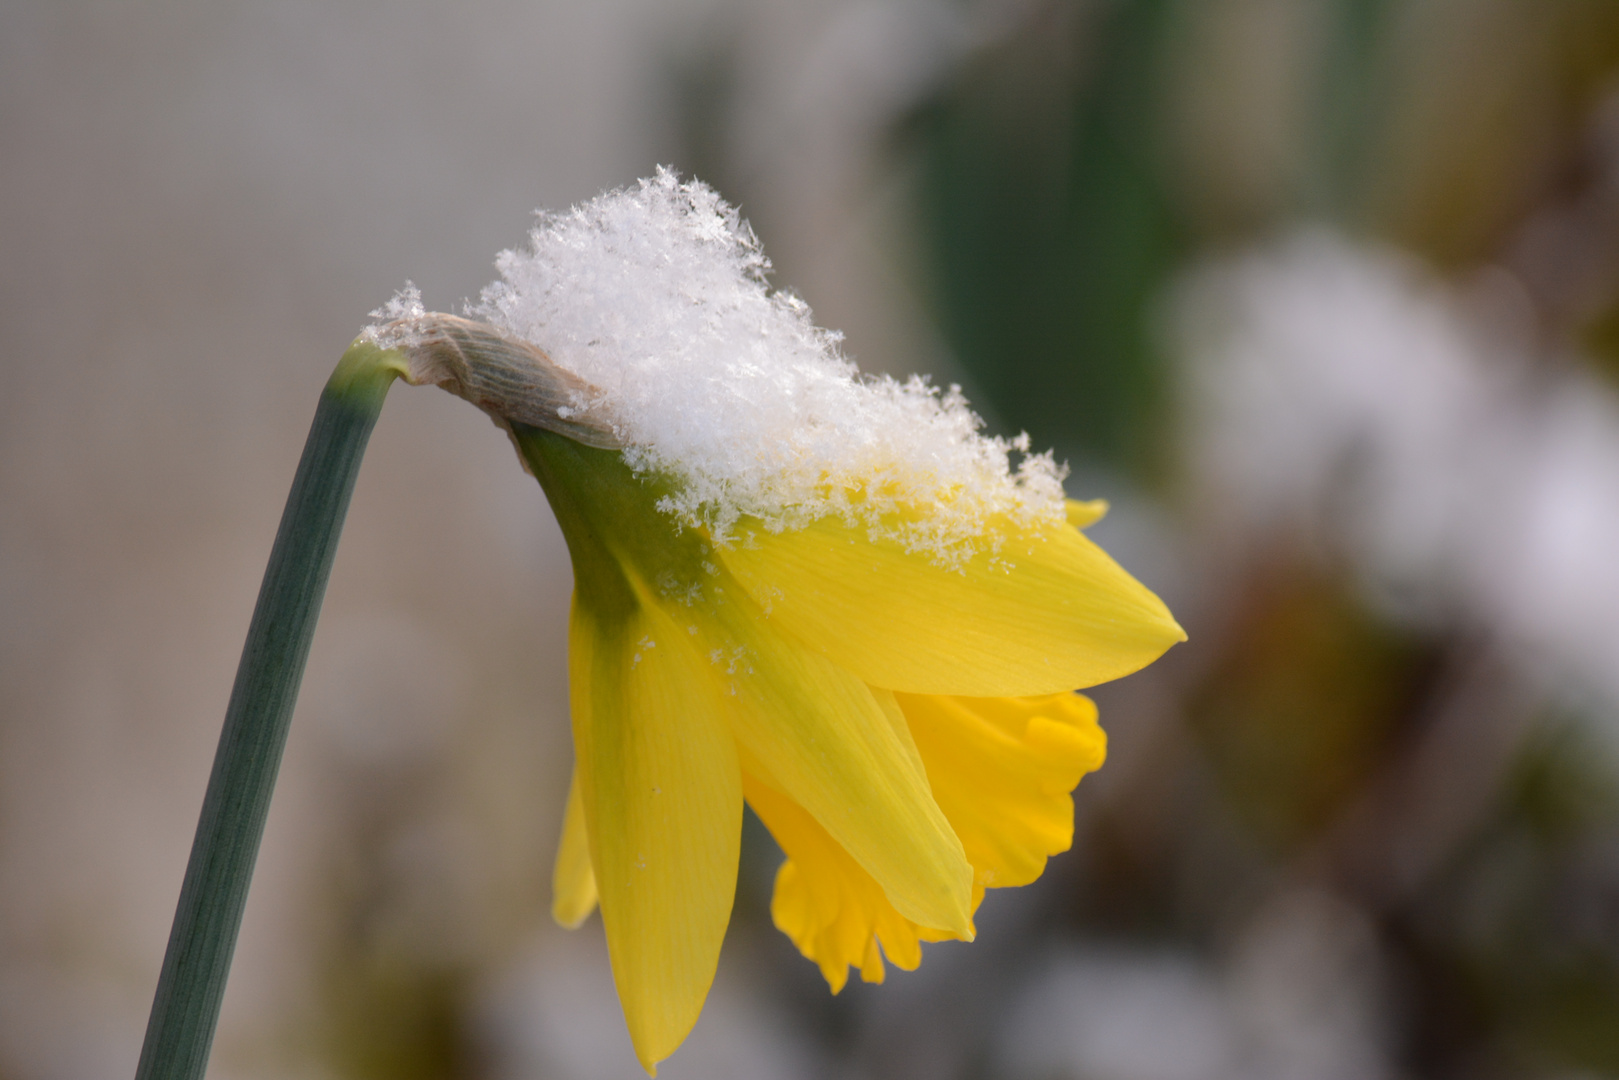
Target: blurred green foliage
x=1050 y=233
x=1056 y=203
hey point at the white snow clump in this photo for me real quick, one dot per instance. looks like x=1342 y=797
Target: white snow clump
x=656 y=295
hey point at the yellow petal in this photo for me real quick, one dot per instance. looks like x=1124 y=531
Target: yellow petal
x=1081 y=514
x=829 y=907
x=573 y=882
x=1002 y=769
x=821 y=737
x=1048 y=612
x=662 y=795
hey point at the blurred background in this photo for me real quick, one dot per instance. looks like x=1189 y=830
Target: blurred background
x=1323 y=295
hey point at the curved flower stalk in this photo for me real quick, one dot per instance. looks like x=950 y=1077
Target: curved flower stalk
x=855 y=615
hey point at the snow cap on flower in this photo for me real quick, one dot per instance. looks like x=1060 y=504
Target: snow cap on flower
x=657 y=297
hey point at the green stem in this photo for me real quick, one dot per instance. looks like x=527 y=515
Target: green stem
x=185 y=1009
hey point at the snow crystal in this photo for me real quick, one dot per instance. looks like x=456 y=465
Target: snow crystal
x=657 y=296
x=391 y=326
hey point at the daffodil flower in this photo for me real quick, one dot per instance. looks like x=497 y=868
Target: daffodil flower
x=827 y=597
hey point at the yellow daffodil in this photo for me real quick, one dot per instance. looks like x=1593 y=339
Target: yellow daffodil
x=827 y=597
x=904 y=730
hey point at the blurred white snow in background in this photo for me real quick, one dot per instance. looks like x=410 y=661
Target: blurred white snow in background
x=1338 y=390
x=1300 y=997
